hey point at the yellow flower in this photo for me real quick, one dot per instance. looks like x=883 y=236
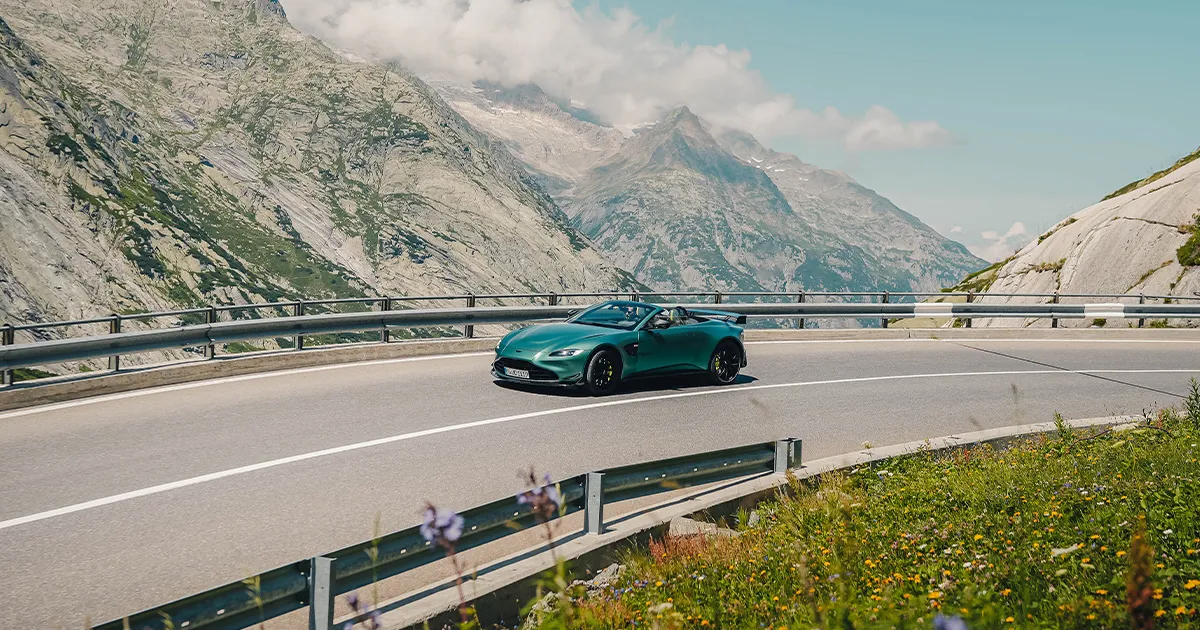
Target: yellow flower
x=1101 y=591
x=1181 y=610
x=1120 y=553
x=658 y=583
x=1191 y=584
x=935 y=594
x=1159 y=613
x=1091 y=616
x=1095 y=536
x=1010 y=620
x=1006 y=591
x=978 y=537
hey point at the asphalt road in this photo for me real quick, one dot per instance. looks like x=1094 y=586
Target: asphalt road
x=113 y=505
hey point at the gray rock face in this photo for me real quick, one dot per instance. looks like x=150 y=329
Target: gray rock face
x=164 y=155
x=1124 y=244
x=683 y=209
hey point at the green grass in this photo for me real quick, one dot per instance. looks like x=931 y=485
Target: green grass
x=1156 y=176
x=29 y=374
x=1039 y=535
x=1189 y=253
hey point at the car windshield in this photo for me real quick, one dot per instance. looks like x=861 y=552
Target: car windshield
x=622 y=315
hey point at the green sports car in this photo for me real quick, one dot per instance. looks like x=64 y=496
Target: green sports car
x=602 y=345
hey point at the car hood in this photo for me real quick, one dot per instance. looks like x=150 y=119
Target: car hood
x=554 y=336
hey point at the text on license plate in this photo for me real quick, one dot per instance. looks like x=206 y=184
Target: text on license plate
x=516 y=373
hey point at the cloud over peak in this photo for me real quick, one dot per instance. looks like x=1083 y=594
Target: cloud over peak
x=612 y=63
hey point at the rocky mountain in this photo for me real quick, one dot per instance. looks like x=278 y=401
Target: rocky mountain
x=160 y=154
x=684 y=206
x=1144 y=238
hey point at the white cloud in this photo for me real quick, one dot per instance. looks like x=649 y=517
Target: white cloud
x=621 y=68
x=998 y=246
x=956 y=229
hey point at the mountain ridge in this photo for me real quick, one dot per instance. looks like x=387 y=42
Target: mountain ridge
x=213 y=153
x=635 y=180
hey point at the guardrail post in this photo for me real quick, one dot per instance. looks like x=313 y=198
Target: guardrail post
x=114 y=327
x=320 y=593
x=800 y=300
x=210 y=317
x=8 y=337
x=298 y=310
x=1053 y=319
x=552 y=299
x=469 y=330
x=593 y=509
x=786 y=454
x=637 y=297
x=385 y=335
x=970 y=298
x=717 y=297
x=886 y=299
x=1141 y=300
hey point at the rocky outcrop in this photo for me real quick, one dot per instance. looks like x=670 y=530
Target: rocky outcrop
x=158 y=155
x=1133 y=242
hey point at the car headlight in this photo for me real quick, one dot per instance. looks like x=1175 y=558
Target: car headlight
x=569 y=352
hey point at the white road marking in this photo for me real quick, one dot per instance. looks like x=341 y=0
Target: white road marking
x=227 y=379
x=241 y=470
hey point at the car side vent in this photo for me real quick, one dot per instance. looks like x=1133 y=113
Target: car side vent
x=631 y=349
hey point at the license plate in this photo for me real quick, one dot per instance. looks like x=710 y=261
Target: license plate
x=516 y=373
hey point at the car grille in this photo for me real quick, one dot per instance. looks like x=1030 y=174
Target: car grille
x=535 y=373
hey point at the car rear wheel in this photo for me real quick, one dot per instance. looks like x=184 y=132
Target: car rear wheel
x=725 y=363
x=603 y=373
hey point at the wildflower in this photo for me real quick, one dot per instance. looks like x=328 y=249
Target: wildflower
x=1191 y=584
x=941 y=622
x=543 y=499
x=1120 y=553
x=441 y=526
x=1182 y=610
x=1101 y=591
x=1160 y=612
x=1006 y=591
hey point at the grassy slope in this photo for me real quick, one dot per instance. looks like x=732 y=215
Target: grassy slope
x=979 y=534
x=1156 y=176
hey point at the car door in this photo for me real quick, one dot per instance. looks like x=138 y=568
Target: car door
x=667 y=349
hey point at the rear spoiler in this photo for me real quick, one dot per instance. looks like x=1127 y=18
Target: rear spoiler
x=729 y=317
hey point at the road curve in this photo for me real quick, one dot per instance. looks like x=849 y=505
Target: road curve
x=111 y=505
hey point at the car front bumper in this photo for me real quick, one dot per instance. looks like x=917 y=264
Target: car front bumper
x=566 y=372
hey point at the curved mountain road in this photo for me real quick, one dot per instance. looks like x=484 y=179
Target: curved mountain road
x=115 y=504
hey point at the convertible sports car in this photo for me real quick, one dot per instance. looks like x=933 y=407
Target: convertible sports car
x=604 y=344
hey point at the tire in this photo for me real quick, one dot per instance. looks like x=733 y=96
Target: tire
x=725 y=363
x=603 y=373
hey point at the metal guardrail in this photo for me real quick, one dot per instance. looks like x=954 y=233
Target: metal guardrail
x=314 y=582
x=298 y=325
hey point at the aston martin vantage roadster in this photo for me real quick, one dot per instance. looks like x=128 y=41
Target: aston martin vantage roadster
x=600 y=346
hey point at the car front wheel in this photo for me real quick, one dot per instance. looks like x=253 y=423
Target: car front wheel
x=603 y=373
x=725 y=363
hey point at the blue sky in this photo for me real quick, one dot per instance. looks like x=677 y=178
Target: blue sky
x=1052 y=105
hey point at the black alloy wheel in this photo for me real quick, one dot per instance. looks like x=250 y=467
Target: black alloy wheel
x=725 y=363
x=603 y=372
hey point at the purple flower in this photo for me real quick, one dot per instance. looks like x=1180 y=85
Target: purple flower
x=442 y=526
x=542 y=498
x=942 y=622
